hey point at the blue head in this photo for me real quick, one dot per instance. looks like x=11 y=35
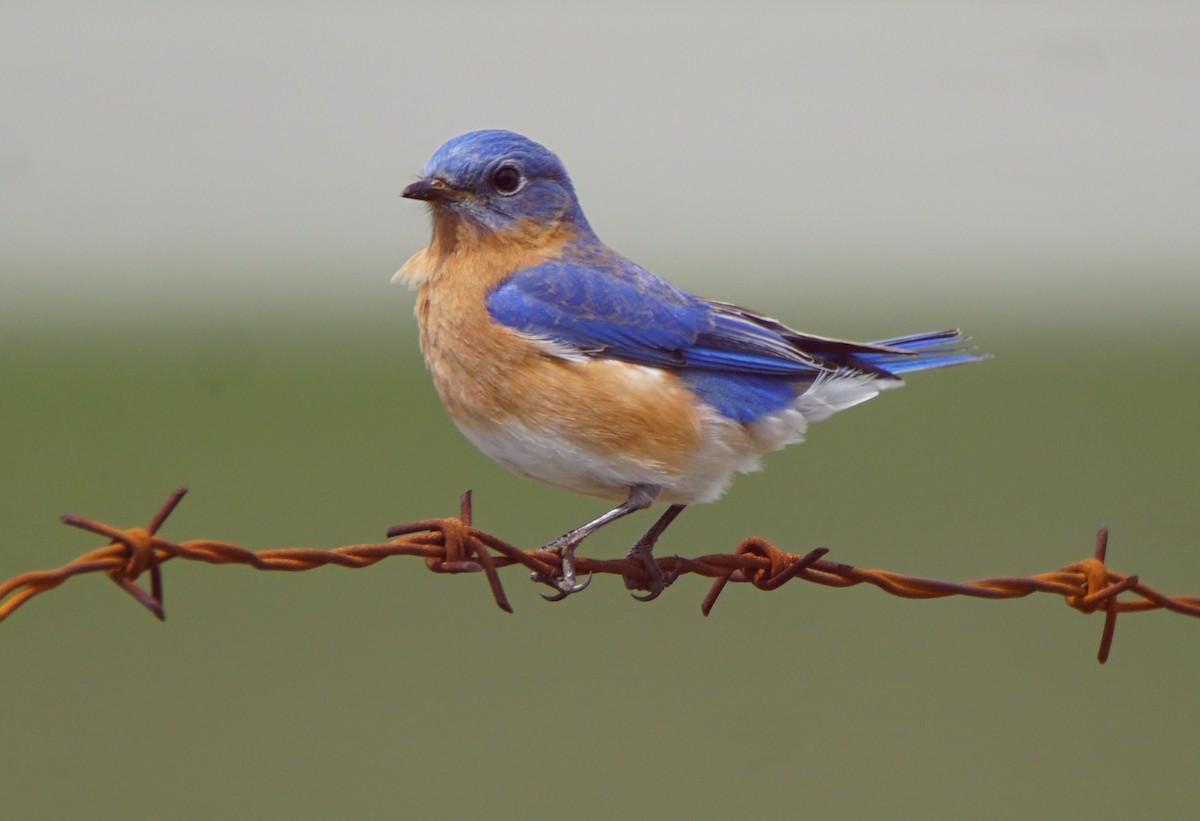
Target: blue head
x=497 y=179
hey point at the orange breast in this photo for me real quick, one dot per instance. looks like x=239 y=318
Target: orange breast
x=488 y=374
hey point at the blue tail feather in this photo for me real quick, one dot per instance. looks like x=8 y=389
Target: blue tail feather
x=920 y=352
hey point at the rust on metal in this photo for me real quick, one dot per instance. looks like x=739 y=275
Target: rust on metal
x=455 y=545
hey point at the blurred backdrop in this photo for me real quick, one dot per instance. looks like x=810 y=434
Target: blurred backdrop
x=199 y=221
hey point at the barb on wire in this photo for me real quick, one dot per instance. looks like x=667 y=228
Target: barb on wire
x=454 y=545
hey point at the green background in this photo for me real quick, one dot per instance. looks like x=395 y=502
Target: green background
x=199 y=227
x=337 y=693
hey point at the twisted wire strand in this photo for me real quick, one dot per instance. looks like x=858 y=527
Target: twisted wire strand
x=454 y=545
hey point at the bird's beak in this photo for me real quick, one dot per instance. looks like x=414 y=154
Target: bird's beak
x=432 y=189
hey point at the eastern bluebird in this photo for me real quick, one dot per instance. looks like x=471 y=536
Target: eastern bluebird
x=567 y=363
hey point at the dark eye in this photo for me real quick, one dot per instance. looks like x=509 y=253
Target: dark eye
x=506 y=179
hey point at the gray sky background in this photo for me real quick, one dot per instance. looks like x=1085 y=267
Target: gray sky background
x=1043 y=153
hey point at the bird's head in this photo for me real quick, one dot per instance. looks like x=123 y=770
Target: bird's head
x=498 y=180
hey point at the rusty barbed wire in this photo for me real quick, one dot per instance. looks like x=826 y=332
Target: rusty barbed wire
x=454 y=545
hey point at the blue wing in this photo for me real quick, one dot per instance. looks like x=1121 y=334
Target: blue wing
x=744 y=364
x=611 y=307
x=623 y=313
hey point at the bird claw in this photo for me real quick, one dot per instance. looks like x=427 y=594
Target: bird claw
x=565 y=584
x=563 y=587
x=659 y=581
x=651 y=596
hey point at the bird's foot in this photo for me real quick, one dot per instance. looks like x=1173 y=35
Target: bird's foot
x=564 y=584
x=657 y=580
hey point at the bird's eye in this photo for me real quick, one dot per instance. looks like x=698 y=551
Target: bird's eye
x=506 y=179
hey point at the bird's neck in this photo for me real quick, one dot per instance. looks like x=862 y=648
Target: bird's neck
x=462 y=248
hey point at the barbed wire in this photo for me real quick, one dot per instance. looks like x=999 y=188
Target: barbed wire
x=454 y=545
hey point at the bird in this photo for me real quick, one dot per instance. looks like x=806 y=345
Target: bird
x=570 y=364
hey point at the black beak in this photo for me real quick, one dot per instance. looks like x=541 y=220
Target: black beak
x=432 y=189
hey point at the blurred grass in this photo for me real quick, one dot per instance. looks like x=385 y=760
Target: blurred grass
x=390 y=690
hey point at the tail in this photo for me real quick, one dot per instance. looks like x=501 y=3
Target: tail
x=922 y=352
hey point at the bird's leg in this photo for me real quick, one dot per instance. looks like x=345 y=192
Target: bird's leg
x=643 y=549
x=640 y=498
